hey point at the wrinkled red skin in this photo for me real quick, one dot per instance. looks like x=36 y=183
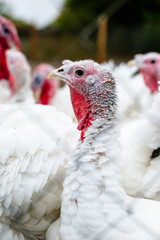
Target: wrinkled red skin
x=89 y=93
x=79 y=106
x=4 y=72
x=149 y=68
x=151 y=81
x=49 y=86
x=83 y=115
x=48 y=91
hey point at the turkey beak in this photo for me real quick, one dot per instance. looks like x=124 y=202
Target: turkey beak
x=59 y=74
x=131 y=62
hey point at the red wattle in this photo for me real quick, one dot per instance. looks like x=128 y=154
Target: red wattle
x=81 y=111
x=4 y=71
x=48 y=92
x=151 y=82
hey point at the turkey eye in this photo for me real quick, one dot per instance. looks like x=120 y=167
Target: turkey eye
x=79 y=72
x=152 y=61
x=38 y=81
x=6 y=30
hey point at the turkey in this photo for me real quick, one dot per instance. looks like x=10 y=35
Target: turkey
x=16 y=84
x=44 y=88
x=94 y=204
x=8 y=39
x=20 y=69
x=148 y=65
x=135 y=92
x=47 y=91
x=140 y=162
x=35 y=145
x=151 y=181
x=141 y=144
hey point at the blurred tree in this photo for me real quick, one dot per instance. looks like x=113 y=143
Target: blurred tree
x=76 y=14
x=133 y=27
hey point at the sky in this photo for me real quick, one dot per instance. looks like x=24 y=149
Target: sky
x=38 y=12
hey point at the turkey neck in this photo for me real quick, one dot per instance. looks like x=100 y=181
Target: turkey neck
x=99 y=154
x=151 y=80
x=92 y=178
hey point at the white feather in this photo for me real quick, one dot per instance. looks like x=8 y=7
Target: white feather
x=139 y=139
x=35 y=145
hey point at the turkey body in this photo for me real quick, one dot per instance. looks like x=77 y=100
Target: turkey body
x=140 y=136
x=140 y=142
x=35 y=145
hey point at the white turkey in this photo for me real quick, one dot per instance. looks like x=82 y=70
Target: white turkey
x=148 y=65
x=15 y=74
x=21 y=70
x=35 y=145
x=8 y=39
x=47 y=91
x=44 y=88
x=140 y=137
x=140 y=143
x=94 y=204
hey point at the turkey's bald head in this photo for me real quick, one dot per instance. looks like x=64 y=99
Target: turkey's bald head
x=148 y=65
x=44 y=89
x=8 y=34
x=92 y=89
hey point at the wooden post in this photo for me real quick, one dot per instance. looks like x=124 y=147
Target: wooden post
x=34 y=42
x=102 y=39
